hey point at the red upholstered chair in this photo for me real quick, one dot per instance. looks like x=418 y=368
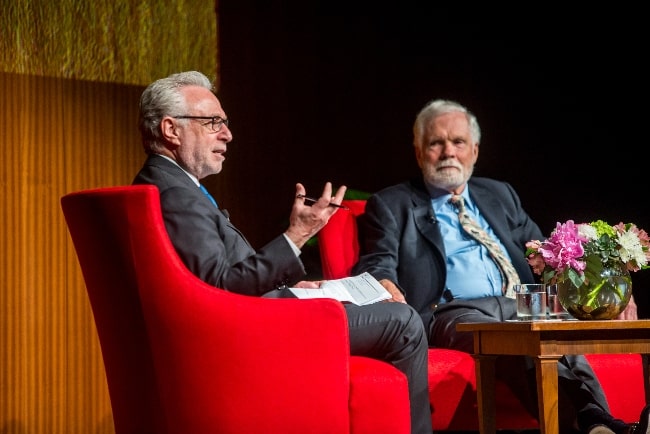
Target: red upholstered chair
x=182 y=356
x=452 y=378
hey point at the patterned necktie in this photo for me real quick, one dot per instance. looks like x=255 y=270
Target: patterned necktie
x=508 y=273
x=207 y=193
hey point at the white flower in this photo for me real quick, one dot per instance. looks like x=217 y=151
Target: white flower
x=588 y=231
x=631 y=248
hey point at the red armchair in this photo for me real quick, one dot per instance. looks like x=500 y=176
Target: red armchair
x=182 y=356
x=452 y=379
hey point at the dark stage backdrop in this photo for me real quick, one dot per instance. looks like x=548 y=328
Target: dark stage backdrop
x=328 y=92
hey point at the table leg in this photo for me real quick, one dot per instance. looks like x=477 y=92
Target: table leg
x=645 y=361
x=485 y=393
x=547 y=393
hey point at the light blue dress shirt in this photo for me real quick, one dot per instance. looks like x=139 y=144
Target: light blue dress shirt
x=471 y=272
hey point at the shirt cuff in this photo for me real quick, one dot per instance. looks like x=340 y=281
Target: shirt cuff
x=295 y=248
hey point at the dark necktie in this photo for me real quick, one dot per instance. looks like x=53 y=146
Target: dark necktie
x=207 y=193
x=508 y=273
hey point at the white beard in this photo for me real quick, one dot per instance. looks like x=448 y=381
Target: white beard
x=447 y=179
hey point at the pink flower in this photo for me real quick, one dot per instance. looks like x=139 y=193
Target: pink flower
x=563 y=248
x=534 y=258
x=534 y=245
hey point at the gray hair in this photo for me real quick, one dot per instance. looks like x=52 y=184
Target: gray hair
x=439 y=107
x=163 y=98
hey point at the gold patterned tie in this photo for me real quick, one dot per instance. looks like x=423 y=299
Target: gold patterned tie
x=508 y=273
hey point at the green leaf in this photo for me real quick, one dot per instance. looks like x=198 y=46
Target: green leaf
x=576 y=278
x=352 y=194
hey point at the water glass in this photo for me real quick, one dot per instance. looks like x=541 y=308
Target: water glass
x=531 y=301
x=553 y=306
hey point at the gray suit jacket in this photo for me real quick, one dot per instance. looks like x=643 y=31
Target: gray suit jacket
x=401 y=241
x=209 y=244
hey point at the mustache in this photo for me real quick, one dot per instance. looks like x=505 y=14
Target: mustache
x=443 y=164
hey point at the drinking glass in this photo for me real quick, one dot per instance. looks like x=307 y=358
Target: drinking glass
x=553 y=306
x=531 y=301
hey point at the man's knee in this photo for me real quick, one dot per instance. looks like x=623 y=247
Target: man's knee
x=411 y=323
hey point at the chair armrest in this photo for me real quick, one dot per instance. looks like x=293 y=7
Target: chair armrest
x=287 y=359
x=379 y=399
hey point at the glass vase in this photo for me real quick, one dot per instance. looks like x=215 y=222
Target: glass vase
x=598 y=299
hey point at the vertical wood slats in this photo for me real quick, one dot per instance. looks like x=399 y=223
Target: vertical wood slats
x=59 y=136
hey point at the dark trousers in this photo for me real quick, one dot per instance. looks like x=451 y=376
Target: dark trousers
x=579 y=392
x=394 y=332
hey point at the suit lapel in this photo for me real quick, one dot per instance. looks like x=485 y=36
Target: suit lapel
x=425 y=220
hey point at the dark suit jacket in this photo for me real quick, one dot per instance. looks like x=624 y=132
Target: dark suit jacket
x=209 y=244
x=401 y=241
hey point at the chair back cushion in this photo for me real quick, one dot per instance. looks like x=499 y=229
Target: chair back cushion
x=338 y=240
x=100 y=224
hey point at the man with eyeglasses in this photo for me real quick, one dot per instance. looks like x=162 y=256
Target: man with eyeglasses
x=185 y=133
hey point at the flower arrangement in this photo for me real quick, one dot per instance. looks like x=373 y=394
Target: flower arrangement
x=580 y=254
x=577 y=252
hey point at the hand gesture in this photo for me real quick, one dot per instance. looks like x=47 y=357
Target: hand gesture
x=306 y=220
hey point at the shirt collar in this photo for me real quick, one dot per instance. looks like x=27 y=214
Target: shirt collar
x=192 y=177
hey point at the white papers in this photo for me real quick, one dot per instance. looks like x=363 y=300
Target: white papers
x=360 y=290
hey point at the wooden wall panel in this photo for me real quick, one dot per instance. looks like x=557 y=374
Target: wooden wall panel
x=59 y=136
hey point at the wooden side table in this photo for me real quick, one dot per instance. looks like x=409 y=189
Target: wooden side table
x=546 y=342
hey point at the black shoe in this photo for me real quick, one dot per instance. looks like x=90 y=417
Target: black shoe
x=600 y=429
x=596 y=421
x=643 y=426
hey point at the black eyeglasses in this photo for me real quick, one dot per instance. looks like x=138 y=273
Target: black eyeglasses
x=215 y=122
